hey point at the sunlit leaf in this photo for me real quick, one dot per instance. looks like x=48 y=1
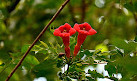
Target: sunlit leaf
x=102 y=47
x=44 y=44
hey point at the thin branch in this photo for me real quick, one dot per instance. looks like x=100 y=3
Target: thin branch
x=38 y=37
x=68 y=68
x=64 y=68
x=68 y=62
x=95 y=63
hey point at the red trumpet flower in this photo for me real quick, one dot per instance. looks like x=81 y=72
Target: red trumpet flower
x=65 y=31
x=83 y=31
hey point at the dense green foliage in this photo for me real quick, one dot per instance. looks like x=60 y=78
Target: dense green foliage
x=115 y=43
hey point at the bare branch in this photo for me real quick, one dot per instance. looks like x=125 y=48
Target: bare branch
x=38 y=37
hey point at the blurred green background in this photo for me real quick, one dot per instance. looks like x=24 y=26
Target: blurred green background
x=22 y=20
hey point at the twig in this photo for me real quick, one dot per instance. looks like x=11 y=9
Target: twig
x=64 y=68
x=95 y=63
x=68 y=68
x=38 y=37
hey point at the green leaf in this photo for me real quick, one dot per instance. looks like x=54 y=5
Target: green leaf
x=72 y=43
x=24 y=48
x=60 y=62
x=31 y=60
x=87 y=52
x=132 y=46
x=58 y=46
x=68 y=79
x=113 y=78
x=52 y=48
x=81 y=54
x=44 y=44
x=129 y=6
x=110 y=67
x=89 y=60
x=119 y=52
x=90 y=78
x=98 y=51
x=36 y=48
x=15 y=54
x=94 y=74
x=120 y=43
x=52 y=29
x=79 y=64
x=129 y=63
x=46 y=69
x=127 y=46
x=78 y=69
x=43 y=51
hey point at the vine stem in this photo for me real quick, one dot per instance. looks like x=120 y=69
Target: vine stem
x=37 y=38
x=68 y=68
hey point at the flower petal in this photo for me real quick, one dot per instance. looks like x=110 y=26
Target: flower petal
x=64 y=34
x=87 y=26
x=92 y=32
x=57 y=32
x=76 y=27
x=61 y=28
x=67 y=26
x=83 y=32
x=72 y=31
x=64 y=31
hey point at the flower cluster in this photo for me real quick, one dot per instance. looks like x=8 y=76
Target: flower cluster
x=65 y=31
